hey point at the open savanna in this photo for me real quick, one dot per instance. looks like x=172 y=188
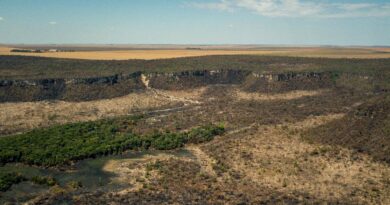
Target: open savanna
x=166 y=52
x=224 y=129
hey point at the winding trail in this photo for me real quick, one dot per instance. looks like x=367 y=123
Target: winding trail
x=205 y=161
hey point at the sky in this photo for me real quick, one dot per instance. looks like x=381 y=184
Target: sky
x=269 y=22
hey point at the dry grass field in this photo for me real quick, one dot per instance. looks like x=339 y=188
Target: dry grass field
x=22 y=116
x=165 y=53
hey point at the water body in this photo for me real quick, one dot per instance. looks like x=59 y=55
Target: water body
x=89 y=172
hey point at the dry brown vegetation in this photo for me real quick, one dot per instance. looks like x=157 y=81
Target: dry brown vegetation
x=22 y=116
x=368 y=52
x=279 y=147
x=15 y=117
x=242 y=95
x=135 y=172
x=275 y=157
x=263 y=157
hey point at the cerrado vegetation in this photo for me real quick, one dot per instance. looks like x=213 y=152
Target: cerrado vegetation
x=64 y=144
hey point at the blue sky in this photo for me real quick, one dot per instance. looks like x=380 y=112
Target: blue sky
x=292 y=22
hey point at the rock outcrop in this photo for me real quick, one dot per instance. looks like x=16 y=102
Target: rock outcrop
x=284 y=82
x=82 y=89
x=77 y=89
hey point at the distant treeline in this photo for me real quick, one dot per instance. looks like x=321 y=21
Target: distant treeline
x=38 y=50
x=26 y=51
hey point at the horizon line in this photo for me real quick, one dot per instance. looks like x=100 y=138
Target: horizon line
x=189 y=44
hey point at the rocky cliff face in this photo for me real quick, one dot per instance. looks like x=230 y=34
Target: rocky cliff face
x=288 y=81
x=79 y=89
x=191 y=79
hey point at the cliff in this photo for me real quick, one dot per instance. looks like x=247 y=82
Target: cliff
x=82 y=89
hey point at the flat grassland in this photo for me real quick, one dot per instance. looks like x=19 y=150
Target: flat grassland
x=164 y=53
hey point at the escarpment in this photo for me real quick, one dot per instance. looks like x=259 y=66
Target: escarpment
x=191 y=79
x=81 y=89
x=75 y=89
x=283 y=82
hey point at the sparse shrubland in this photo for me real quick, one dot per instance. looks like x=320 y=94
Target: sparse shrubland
x=365 y=129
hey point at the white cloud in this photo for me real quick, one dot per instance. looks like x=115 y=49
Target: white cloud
x=222 y=5
x=300 y=8
x=1 y=18
x=275 y=8
x=53 y=23
x=356 y=6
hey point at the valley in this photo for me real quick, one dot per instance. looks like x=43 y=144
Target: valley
x=199 y=130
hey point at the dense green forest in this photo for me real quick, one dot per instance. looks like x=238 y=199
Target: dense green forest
x=24 y=67
x=62 y=144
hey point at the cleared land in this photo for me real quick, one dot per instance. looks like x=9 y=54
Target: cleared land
x=150 y=54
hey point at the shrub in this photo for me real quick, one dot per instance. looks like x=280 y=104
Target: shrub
x=8 y=179
x=167 y=141
x=41 y=180
x=205 y=133
x=74 y=184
